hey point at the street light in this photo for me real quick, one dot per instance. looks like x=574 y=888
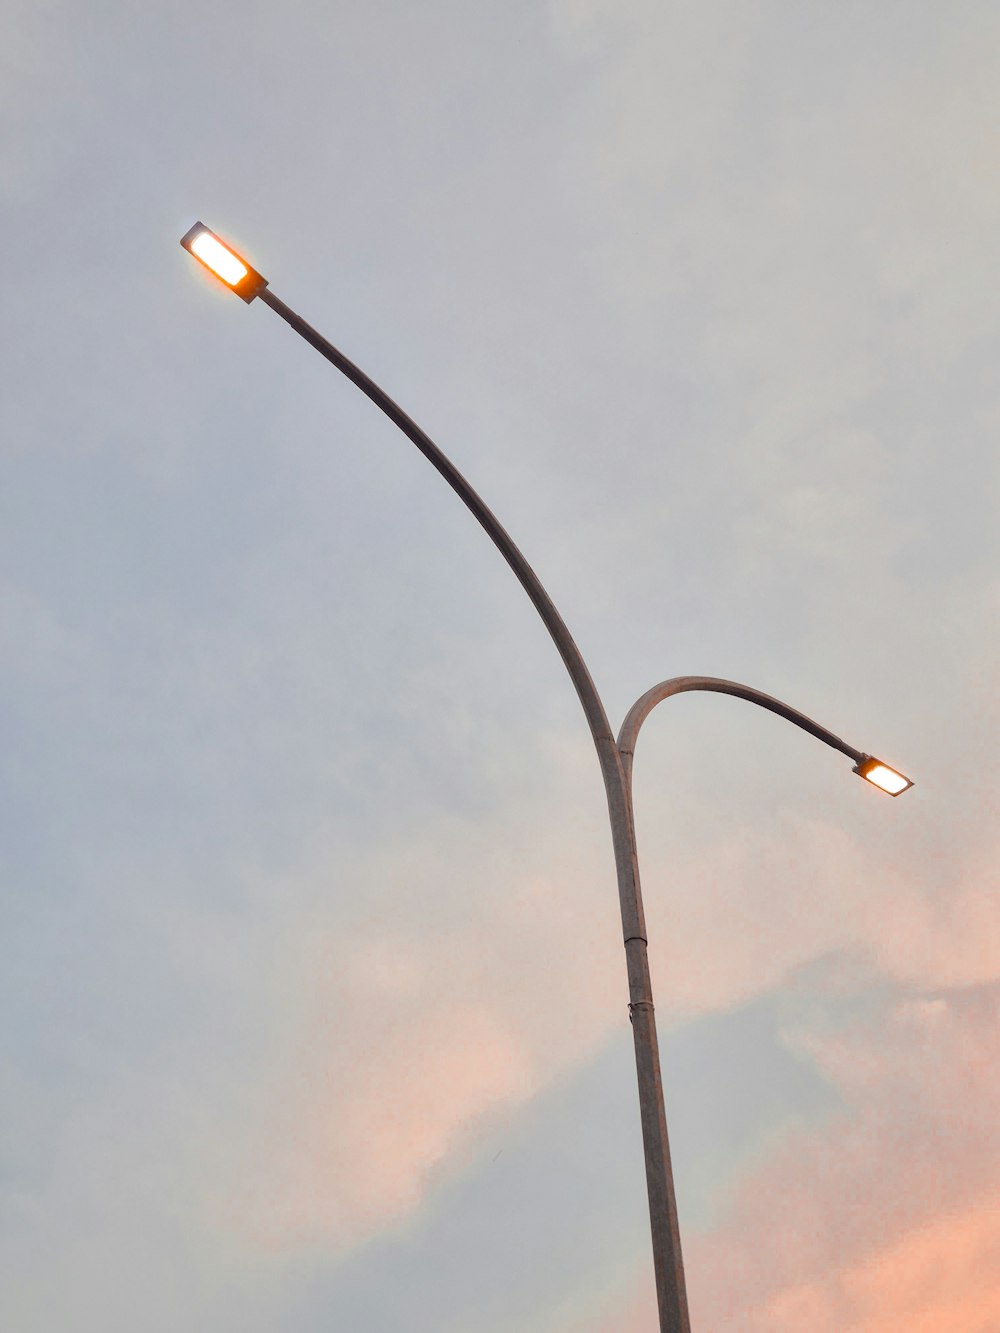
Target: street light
x=614 y=755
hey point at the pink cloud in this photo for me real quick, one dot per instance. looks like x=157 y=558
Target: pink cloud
x=396 y=1051
x=768 y=900
x=338 y=1158
x=887 y=1218
x=943 y=1277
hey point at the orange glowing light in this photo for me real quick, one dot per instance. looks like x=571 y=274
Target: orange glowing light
x=214 y=255
x=882 y=776
x=224 y=262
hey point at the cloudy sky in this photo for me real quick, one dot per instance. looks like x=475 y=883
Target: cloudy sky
x=312 y=995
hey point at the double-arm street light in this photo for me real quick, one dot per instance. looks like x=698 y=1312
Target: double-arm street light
x=614 y=754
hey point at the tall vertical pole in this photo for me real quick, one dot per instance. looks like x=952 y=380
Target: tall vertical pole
x=668 y=1264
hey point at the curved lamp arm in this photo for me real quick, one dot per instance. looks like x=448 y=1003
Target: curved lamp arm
x=643 y=706
x=873 y=770
x=498 y=534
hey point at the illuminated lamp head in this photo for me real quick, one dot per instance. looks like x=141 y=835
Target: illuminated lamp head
x=882 y=776
x=222 y=260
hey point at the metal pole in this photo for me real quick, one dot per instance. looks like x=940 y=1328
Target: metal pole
x=671 y=1294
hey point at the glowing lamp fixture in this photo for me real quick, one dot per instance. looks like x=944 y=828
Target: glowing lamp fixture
x=882 y=776
x=223 y=261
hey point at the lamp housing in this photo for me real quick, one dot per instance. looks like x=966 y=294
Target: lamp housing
x=222 y=260
x=882 y=775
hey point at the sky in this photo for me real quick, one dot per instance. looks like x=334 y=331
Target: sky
x=312 y=993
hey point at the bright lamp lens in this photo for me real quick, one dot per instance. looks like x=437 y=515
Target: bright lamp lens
x=882 y=776
x=887 y=778
x=214 y=255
